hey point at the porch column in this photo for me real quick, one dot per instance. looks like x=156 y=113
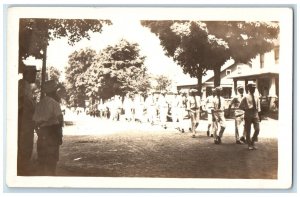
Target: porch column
x=246 y=89
x=257 y=93
x=233 y=91
x=272 y=94
x=203 y=93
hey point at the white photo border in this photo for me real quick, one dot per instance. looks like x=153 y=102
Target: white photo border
x=285 y=149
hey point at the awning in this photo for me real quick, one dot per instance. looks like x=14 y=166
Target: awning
x=254 y=75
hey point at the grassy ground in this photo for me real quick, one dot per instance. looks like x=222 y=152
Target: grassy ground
x=165 y=154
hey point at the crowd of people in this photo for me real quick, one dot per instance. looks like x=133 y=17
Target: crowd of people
x=158 y=108
x=46 y=117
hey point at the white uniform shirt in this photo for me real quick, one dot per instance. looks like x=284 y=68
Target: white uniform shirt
x=162 y=101
x=193 y=102
x=247 y=103
x=209 y=103
x=236 y=102
x=216 y=103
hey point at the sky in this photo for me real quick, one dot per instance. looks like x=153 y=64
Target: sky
x=131 y=30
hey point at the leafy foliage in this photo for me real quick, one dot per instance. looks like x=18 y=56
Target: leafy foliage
x=198 y=46
x=116 y=70
x=79 y=62
x=162 y=83
x=35 y=34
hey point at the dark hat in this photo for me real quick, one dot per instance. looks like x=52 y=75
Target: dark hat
x=50 y=86
x=30 y=69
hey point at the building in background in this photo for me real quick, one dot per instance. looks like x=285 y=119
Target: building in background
x=263 y=70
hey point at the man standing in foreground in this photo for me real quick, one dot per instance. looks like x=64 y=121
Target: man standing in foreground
x=49 y=121
x=25 y=122
x=251 y=105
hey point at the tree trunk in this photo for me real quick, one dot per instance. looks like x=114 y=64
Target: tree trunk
x=217 y=76
x=199 y=85
x=43 y=71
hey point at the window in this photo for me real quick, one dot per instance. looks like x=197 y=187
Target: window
x=228 y=72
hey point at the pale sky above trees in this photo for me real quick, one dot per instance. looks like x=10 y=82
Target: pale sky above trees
x=156 y=61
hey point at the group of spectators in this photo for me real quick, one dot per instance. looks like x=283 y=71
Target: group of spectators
x=46 y=119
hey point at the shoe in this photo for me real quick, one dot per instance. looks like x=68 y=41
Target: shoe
x=216 y=141
x=250 y=148
x=182 y=130
x=193 y=136
x=219 y=139
x=243 y=140
x=211 y=135
x=238 y=142
x=207 y=133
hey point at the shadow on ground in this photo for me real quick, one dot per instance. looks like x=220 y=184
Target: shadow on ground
x=166 y=154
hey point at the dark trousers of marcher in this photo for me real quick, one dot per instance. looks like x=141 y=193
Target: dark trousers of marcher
x=251 y=117
x=25 y=146
x=49 y=140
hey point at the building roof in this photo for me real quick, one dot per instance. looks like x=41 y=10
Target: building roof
x=209 y=75
x=254 y=74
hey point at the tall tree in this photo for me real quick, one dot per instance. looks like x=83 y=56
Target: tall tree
x=162 y=83
x=189 y=44
x=78 y=64
x=116 y=70
x=53 y=73
x=35 y=34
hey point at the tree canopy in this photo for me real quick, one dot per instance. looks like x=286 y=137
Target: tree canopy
x=198 y=46
x=115 y=70
x=162 y=83
x=35 y=34
x=78 y=64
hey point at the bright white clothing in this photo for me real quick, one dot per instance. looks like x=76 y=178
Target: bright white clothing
x=235 y=102
x=247 y=103
x=216 y=104
x=209 y=103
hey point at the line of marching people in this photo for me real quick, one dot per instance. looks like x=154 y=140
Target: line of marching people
x=157 y=109
x=247 y=108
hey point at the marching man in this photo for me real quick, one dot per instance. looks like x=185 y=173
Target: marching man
x=218 y=115
x=239 y=115
x=251 y=105
x=193 y=107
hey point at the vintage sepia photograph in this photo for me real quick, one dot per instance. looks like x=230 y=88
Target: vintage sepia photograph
x=123 y=97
